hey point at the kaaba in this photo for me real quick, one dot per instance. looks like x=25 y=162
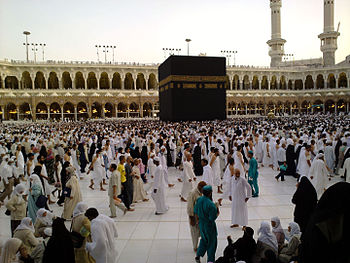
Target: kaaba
x=192 y=88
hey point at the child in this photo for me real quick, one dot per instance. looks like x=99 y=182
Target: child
x=283 y=169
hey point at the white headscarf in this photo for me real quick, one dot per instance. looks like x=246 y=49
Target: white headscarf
x=294 y=229
x=290 y=141
x=265 y=236
x=26 y=224
x=19 y=189
x=10 y=249
x=34 y=178
x=47 y=220
x=80 y=209
x=277 y=228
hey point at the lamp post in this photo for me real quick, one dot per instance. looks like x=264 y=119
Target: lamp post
x=26 y=33
x=113 y=47
x=98 y=54
x=105 y=51
x=188 y=45
x=227 y=54
x=178 y=50
x=170 y=51
x=43 y=45
x=34 y=49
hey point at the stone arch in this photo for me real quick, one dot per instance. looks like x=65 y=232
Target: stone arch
x=329 y=106
x=331 y=83
x=41 y=111
x=231 y=108
x=128 y=82
x=319 y=82
x=122 y=110
x=287 y=107
x=342 y=80
x=82 y=111
x=152 y=82
x=11 y=112
x=79 y=80
x=66 y=80
x=295 y=107
x=317 y=106
x=109 y=110
x=116 y=81
x=298 y=85
x=341 y=106
x=134 y=110
x=96 y=110
x=270 y=107
x=235 y=83
x=147 y=109
x=283 y=84
x=251 y=108
x=53 y=81
x=255 y=83
x=273 y=83
x=11 y=82
x=26 y=80
x=25 y=112
x=246 y=83
x=39 y=82
x=92 y=81
x=305 y=106
x=309 y=82
x=260 y=108
x=68 y=111
x=279 y=107
x=55 y=111
x=140 y=82
x=104 y=81
x=227 y=82
x=264 y=83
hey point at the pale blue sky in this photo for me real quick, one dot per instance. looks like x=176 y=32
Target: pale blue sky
x=140 y=28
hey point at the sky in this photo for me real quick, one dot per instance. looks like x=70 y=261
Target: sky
x=140 y=29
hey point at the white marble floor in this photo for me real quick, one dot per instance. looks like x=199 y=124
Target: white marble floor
x=146 y=237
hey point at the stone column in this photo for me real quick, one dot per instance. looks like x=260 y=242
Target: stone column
x=75 y=112
x=336 y=83
x=48 y=111
x=290 y=109
x=62 y=115
x=60 y=84
x=98 y=83
x=141 y=110
x=2 y=82
x=110 y=83
x=259 y=81
x=128 y=111
x=347 y=107
x=47 y=81
x=122 y=80
x=246 y=109
x=2 y=111
x=103 y=115
x=116 y=110
x=335 y=108
x=17 y=110
x=86 y=83
x=265 y=108
x=33 y=81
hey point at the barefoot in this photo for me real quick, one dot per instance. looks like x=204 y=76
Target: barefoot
x=179 y=180
x=91 y=187
x=183 y=199
x=171 y=185
x=220 y=192
x=235 y=225
x=131 y=209
x=102 y=189
x=219 y=201
x=145 y=200
x=243 y=228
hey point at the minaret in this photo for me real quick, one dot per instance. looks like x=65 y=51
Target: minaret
x=329 y=36
x=276 y=43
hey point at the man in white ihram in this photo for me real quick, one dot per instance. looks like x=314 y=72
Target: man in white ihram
x=239 y=195
x=158 y=193
x=103 y=247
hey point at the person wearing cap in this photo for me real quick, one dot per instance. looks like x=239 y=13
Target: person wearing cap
x=191 y=202
x=158 y=193
x=207 y=212
x=239 y=195
x=253 y=174
x=318 y=174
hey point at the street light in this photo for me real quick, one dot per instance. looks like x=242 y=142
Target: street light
x=170 y=51
x=227 y=54
x=113 y=47
x=188 y=45
x=34 y=49
x=43 y=45
x=98 y=55
x=26 y=33
x=106 y=49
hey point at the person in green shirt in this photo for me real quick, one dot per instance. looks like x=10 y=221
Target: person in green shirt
x=253 y=174
x=207 y=212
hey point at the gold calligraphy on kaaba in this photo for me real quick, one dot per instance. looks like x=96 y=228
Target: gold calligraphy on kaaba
x=176 y=78
x=189 y=85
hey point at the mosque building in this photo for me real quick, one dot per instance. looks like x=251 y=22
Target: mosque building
x=80 y=90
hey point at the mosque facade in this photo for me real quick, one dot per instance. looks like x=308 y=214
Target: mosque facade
x=80 y=90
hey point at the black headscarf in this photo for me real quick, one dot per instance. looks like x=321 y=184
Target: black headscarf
x=305 y=200
x=326 y=238
x=60 y=246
